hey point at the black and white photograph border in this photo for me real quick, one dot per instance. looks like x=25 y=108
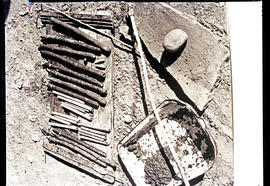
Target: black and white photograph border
x=247 y=68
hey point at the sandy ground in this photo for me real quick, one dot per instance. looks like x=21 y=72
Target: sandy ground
x=27 y=99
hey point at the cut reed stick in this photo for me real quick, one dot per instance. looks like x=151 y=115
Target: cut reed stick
x=66 y=116
x=67 y=119
x=94 y=133
x=68 y=97
x=85 y=116
x=86 y=107
x=71 y=127
x=98 y=137
x=75 y=107
x=89 y=139
x=58 y=119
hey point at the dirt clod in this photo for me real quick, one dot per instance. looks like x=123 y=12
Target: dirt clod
x=156 y=171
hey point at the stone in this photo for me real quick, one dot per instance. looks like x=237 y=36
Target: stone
x=138 y=104
x=18 y=140
x=30 y=159
x=213 y=124
x=20 y=84
x=127 y=118
x=32 y=118
x=35 y=138
x=174 y=40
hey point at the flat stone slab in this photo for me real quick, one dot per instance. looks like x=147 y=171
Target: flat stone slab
x=194 y=70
